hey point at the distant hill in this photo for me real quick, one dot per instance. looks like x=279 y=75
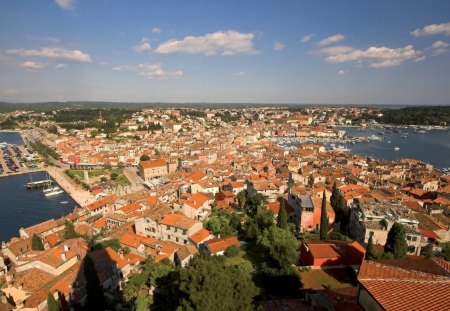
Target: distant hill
x=431 y=115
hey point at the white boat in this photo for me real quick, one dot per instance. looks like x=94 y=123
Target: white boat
x=64 y=202
x=50 y=189
x=396 y=148
x=54 y=191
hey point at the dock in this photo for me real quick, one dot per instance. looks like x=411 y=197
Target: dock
x=38 y=184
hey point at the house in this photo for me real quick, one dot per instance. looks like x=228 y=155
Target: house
x=185 y=254
x=178 y=228
x=318 y=254
x=388 y=287
x=156 y=168
x=217 y=246
x=197 y=206
x=199 y=237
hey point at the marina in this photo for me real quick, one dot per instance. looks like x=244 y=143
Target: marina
x=22 y=207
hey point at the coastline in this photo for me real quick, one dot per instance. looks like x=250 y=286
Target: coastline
x=79 y=195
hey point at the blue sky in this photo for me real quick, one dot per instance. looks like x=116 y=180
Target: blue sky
x=341 y=52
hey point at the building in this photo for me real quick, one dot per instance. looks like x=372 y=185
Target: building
x=172 y=227
x=318 y=254
x=156 y=168
x=218 y=246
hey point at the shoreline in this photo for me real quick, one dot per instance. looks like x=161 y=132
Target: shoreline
x=80 y=196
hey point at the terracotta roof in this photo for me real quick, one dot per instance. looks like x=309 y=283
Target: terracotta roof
x=134 y=240
x=220 y=244
x=178 y=220
x=153 y=163
x=200 y=236
x=196 y=200
x=429 y=234
x=409 y=295
x=40 y=228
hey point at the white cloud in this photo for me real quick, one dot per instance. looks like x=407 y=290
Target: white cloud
x=278 y=46
x=144 y=45
x=156 y=30
x=433 y=29
x=56 y=53
x=332 y=39
x=307 y=38
x=342 y=72
x=221 y=42
x=375 y=57
x=239 y=73
x=60 y=66
x=66 y=4
x=150 y=71
x=33 y=65
x=438 y=48
x=9 y=92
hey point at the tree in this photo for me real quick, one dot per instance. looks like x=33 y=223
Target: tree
x=370 y=252
x=396 y=241
x=282 y=216
x=69 y=230
x=144 y=157
x=242 y=198
x=281 y=246
x=232 y=251
x=323 y=234
x=264 y=220
x=36 y=243
x=334 y=199
x=94 y=292
x=254 y=203
x=427 y=251
x=52 y=304
x=446 y=250
x=206 y=284
x=114 y=175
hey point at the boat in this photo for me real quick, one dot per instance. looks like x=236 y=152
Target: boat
x=396 y=148
x=53 y=192
x=64 y=202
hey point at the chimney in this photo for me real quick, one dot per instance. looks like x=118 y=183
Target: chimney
x=63 y=256
x=66 y=248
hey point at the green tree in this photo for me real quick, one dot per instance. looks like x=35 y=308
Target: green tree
x=206 y=284
x=94 y=298
x=36 y=243
x=242 y=198
x=144 y=157
x=232 y=251
x=370 y=251
x=281 y=246
x=282 y=216
x=254 y=203
x=250 y=230
x=114 y=175
x=52 y=304
x=69 y=230
x=334 y=199
x=396 y=241
x=446 y=250
x=323 y=234
x=427 y=251
x=264 y=220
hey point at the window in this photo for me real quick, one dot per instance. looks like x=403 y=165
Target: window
x=168 y=237
x=371 y=233
x=411 y=249
x=176 y=239
x=414 y=238
x=408 y=237
x=176 y=230
x=168 y=227
x=184 y=232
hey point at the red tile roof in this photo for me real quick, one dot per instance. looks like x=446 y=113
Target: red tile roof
x=401 y=289
x=153 y=163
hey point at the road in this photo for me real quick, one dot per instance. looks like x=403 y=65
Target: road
x=131 y=174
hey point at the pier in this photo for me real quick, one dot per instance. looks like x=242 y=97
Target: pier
x=38 y=184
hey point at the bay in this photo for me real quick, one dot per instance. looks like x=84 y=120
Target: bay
x=21 y=208
x=11 y=138
x=431 y=147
